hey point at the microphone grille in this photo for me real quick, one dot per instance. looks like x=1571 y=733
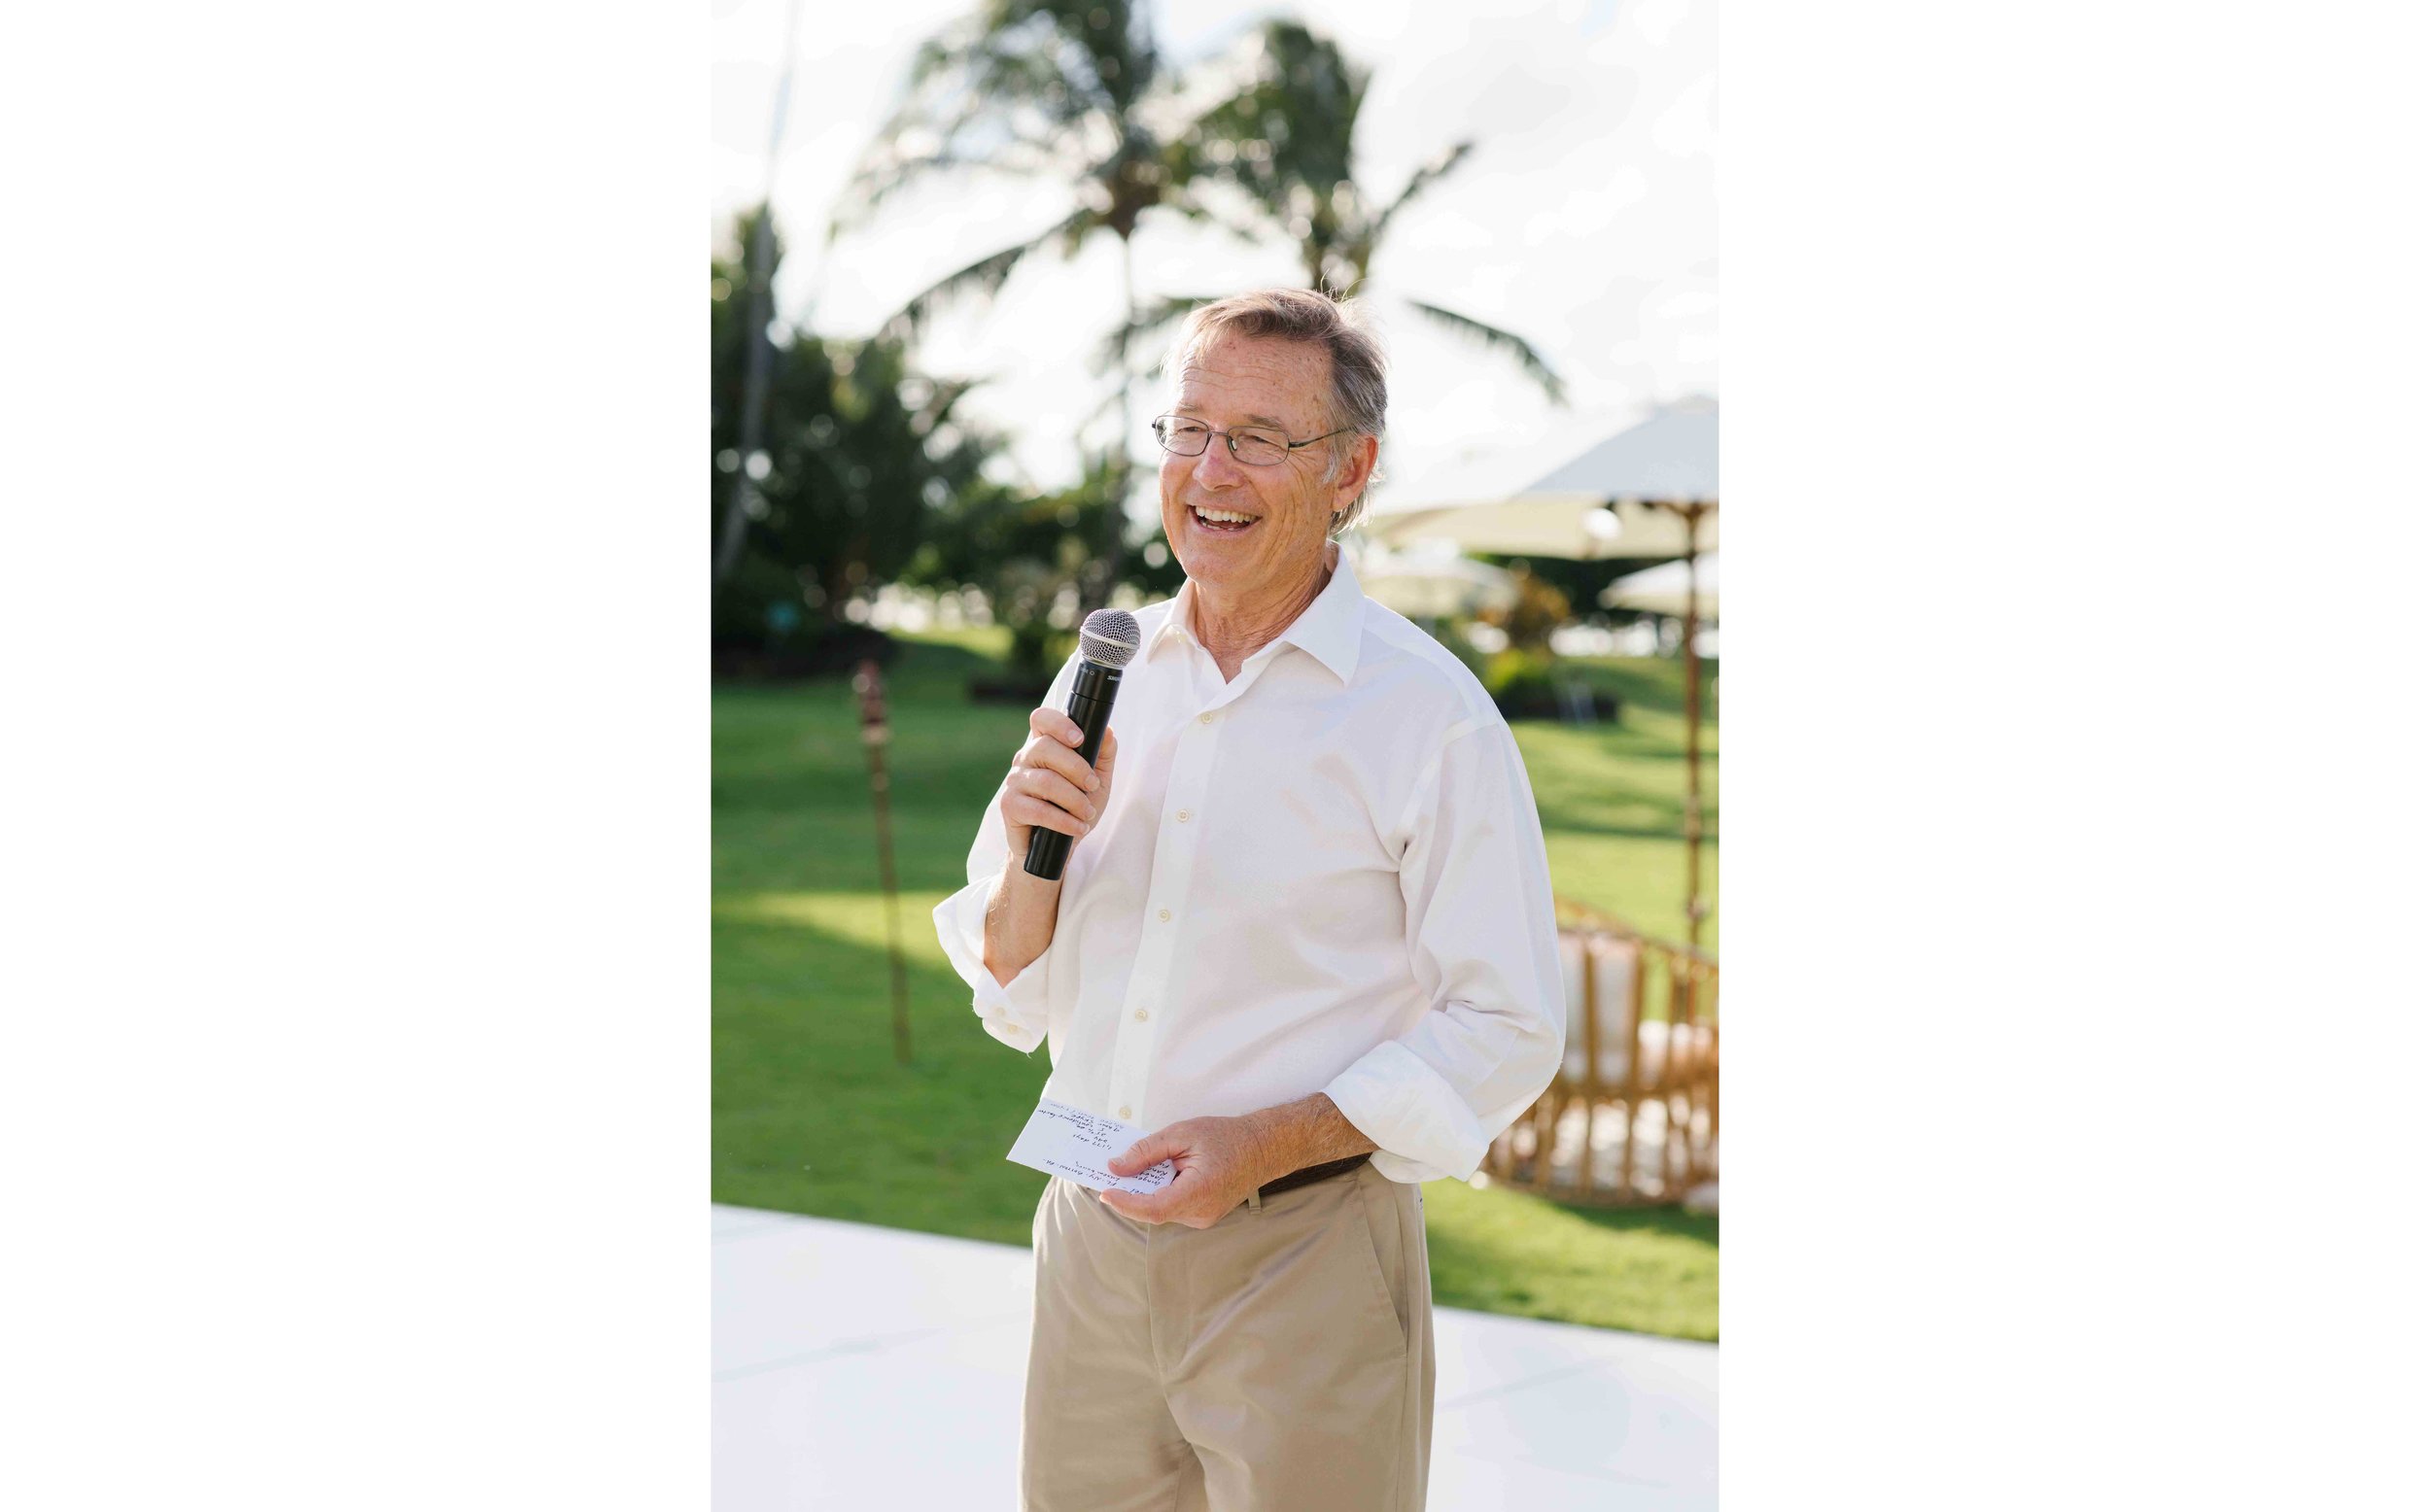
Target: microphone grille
x=1110 y=638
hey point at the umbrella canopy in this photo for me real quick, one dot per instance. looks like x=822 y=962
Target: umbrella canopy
x=1435 y=583
x=1652 y=489
x=1663 y=589
x=1606 y=501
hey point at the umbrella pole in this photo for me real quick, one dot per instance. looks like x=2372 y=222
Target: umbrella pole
x=1693 y=819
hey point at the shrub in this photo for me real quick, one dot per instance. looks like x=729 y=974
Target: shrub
x=1539 y=609
x=1519 y=677
x=1527 y=685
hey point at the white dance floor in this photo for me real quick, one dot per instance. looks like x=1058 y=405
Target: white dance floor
x=859 y=1367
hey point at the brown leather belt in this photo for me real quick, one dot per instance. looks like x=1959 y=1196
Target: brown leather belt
x=1308 y=1174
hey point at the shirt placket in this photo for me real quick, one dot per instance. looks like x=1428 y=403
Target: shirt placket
x=1179 y=831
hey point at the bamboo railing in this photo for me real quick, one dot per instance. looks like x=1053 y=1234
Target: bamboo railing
x=1634 y=1115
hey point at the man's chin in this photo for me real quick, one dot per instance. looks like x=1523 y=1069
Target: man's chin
x=1210 y=569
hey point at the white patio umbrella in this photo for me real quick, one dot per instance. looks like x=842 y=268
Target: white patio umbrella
x=1620 y=497
x=1663 y=589
x=1435 y=583
x=1652 y=489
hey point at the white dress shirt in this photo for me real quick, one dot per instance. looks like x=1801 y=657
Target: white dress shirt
x=1325 y=875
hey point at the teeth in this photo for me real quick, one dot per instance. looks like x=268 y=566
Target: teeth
x=1225 y=516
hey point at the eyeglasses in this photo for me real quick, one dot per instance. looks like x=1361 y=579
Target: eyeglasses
x=1254 y=447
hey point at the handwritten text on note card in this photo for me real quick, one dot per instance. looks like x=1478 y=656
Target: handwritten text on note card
x=1074 y=1143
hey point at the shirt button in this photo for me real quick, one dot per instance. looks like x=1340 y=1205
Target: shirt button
x=1183 y=816
x=1163 y=915
x=1206 y=719
x=1140 y=1015
x=1122 y=1112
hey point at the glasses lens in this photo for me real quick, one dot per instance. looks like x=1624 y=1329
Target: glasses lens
x=1259 y=448
x=1181 y=438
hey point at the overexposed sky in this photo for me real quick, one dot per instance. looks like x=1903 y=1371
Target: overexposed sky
x=1586 y=219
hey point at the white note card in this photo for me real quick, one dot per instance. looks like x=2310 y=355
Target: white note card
x=1075 y=1143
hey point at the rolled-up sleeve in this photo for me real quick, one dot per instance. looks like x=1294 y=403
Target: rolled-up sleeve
x=1014 y=1012
x=1483 y=945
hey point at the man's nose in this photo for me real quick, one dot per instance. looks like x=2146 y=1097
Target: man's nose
x=1216 y=466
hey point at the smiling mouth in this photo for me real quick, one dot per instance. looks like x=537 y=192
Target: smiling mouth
x=1222 y=522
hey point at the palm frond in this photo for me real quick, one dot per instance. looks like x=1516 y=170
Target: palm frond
x=985 y=277
x=886 y=173
x=1495 y=338
x=1032 y=65
x=1193 y=203
x=1428 y=174
x=944 y=393
x=978 y=97
x=1149 y=319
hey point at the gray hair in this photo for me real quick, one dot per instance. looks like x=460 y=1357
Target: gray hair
x=1339 y=325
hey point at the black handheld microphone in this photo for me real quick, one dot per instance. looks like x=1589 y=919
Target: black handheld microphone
x=1108 y=639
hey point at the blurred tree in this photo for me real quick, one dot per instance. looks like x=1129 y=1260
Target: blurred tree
x=1579 y=582
x=1029 y=556
x=1286 y=137
x=738 y=369
x=1531 y=619
x=1066 y=88
x=860 y=459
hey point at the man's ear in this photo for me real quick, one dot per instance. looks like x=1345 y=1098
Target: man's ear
x=1354 y=478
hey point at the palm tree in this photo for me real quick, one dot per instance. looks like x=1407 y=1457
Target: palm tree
x=1063 y=87
x=1285 y=138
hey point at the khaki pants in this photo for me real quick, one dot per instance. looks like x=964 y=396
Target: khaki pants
x=1283 y=1359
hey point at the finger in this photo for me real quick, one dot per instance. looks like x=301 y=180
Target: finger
x=1053 y=788
x=1145 y=1209
x=1056 y=725
x=1059 y=758
x=1105 y=754
x=1038 y=815
x=1144 y=1152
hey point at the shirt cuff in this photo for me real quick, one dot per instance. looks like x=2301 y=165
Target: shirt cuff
x=1423 y=1129
x=1014 y=1011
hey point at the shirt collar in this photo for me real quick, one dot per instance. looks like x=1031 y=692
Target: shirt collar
x=1328 y=629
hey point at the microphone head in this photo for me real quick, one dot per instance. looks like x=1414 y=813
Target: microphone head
x=1109 y=638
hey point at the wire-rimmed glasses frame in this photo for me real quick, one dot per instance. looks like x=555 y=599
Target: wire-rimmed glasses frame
x=1259 y=439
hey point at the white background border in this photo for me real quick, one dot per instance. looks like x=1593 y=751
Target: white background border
x=356 y=986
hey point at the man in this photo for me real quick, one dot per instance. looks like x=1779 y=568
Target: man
x=1306 y=940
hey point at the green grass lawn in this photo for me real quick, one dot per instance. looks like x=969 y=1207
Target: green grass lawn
x=803 y=1045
